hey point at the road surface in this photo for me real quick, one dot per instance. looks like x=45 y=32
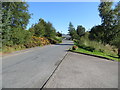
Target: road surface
x=31 y=68
x=82 y=71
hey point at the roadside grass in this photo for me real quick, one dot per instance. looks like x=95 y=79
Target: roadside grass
x=7 y=50
x=35 y=42
x=97 y=53
x=85 y=45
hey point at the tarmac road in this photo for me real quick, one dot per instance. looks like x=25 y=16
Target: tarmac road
x=32 y=67
x=82 y=71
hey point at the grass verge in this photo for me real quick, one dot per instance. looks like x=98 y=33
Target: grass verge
x=97 y=53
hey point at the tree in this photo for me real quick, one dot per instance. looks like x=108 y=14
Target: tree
x=72 y=31
x=116 y=28
x=39 y=28
x=107 y=16
x=116 y=23
x=110 y=21
x=19 y=13
x=96 y=33
x=80 y=30
x=59 y=34
x=15 y=16
x=50 y=31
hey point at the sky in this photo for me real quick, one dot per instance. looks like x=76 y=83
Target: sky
x=61 y=13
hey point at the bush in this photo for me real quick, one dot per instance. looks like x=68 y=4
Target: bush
x=89 y=45
x=74 y=47
x=20 y=36
x=55 y=40
x=58 y=39
x=52 y=41
x=37 y=41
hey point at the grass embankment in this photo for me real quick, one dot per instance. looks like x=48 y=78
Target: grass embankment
x=34 y=42
x=95 y=48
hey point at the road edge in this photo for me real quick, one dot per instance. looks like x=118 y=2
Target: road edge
x=94 y=56
x=53 y=71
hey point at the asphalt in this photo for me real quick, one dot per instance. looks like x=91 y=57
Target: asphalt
x=32 y=67
x=82 y=71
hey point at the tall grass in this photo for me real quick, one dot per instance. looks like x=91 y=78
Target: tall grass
x=106 y=49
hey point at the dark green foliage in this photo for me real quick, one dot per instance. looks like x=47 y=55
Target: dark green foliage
x=116 y=33
x=19 y=13
x=80 y=30
x=52 y=41
x=108 y=31
x=15 y=17
x=39 y=28
x=59 y=34
x=20 y=36
x=110 y=21
x=72 y=31
x=107 y=16
x=50 y=31
x=116 y=40
x=43 y=29
x=97 y=33
x=55 y=40
x=89 y=48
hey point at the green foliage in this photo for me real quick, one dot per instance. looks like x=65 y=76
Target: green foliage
x=35 y=41
x=59 y=34
x=20 y=36
x=97 y=53
x=109 y=31
x=39 y=28
x=80 y=30
x=58 y=39
x=116 y=41
x=72 y=31
x=15 y=17
x=92 y=46
x=106 y=14
x=50 y=31
x=97 y=33
x=19 y=13
x=55 y=40
x=43 y=29
x=110 y=21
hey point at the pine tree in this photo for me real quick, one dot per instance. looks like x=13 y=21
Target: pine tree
x=107 y=16
x=72 y=31
x=80 y=30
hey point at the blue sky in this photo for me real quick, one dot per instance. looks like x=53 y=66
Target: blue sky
x=61 y=13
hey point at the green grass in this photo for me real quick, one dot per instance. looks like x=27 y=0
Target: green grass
x=113 y=57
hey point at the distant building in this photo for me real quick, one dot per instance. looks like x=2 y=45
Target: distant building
x=66 y=36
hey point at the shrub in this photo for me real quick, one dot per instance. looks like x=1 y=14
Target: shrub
x=74 y=47
x=58 y=39
x=89 y=45
x=37 y=41
x=52 y=41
